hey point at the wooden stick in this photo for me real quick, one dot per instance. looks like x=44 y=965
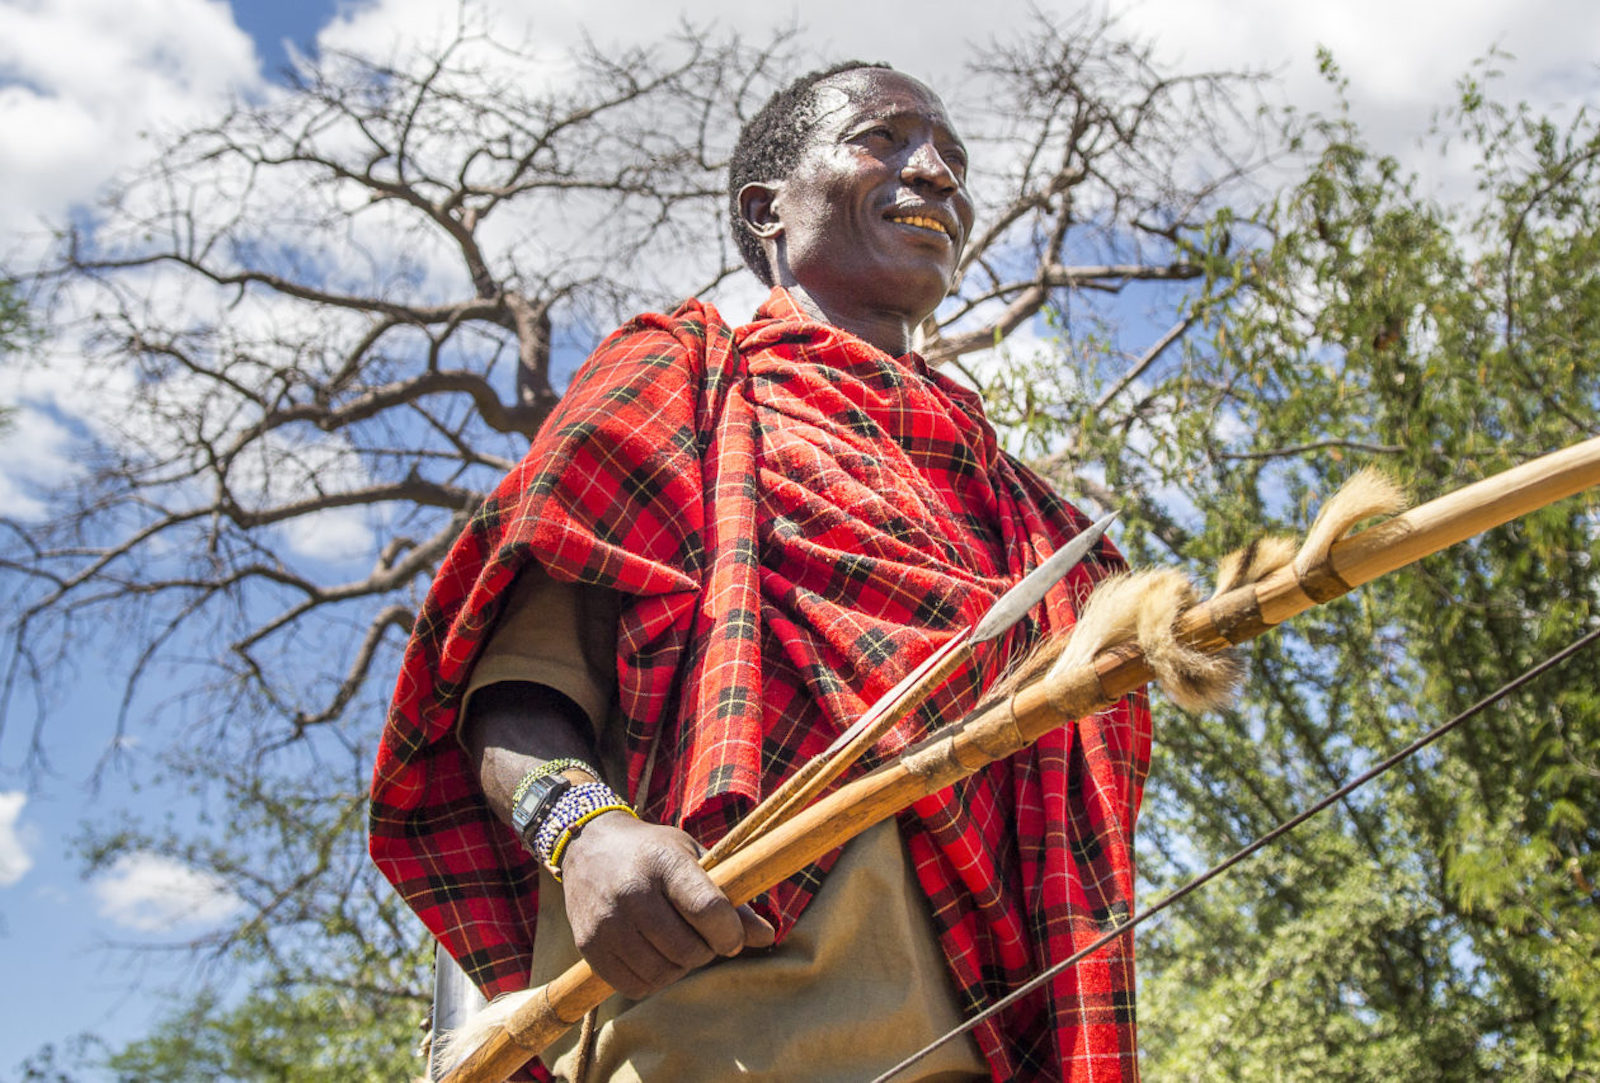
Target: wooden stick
x=1404 y=539
x=1003 y=728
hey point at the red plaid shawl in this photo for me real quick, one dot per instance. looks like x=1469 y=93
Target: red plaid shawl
x=797 y=519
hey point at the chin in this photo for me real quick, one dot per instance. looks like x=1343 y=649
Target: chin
x=919 y=299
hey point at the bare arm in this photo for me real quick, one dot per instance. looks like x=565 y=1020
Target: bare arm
x=643 y=913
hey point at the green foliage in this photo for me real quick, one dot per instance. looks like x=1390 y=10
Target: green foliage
x=280 y=1037
x=1443 y=922
x=56 y=1064
x=16 y=328
x=14 y=323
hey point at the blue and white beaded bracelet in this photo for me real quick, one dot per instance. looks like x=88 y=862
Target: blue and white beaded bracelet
x=577 y=807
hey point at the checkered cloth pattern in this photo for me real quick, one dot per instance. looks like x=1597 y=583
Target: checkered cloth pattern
x=795 y=519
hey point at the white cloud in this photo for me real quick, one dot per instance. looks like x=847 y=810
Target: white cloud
x=87 y=78
x=15 y=861
x=334 y=536
x=152 y=893
x=36 y=449
x=1402 y=59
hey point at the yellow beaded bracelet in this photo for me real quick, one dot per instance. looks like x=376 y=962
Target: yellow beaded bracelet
x=554 y=864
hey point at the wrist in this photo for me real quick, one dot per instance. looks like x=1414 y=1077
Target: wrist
x=575 y=808
x=602 y=838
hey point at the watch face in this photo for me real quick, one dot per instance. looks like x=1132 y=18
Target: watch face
x=537 y=800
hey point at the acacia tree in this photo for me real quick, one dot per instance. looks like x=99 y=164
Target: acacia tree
x=1442 y=923
x=325 y=323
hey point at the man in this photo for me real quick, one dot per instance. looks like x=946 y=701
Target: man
x=726 y=544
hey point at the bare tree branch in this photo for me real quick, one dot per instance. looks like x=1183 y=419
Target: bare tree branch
x=351 y=300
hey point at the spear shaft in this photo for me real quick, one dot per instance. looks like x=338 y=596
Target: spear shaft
x=1002 y=728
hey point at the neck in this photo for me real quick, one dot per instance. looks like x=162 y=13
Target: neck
x=888 y=331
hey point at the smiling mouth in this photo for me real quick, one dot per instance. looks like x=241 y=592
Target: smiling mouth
x=933 y=225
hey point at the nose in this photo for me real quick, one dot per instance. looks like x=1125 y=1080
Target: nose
x=925 y=166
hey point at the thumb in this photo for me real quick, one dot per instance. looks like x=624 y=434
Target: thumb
x=758 y=932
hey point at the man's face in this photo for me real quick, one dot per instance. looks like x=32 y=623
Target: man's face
x=876 y=211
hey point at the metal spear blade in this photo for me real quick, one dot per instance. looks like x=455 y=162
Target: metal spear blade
x=1016 y=602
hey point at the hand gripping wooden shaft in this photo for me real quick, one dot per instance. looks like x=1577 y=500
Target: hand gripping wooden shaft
x=1000 y=729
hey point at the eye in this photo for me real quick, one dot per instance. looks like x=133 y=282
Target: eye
x=875 y=134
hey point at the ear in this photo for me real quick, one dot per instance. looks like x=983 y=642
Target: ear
x=757 y=206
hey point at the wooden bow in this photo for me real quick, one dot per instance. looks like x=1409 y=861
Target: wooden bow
x=1003 y=727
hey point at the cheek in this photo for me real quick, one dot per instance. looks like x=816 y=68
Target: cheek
x=835 y=195
x=849 y=176
x=826 y=221
x=966 y=211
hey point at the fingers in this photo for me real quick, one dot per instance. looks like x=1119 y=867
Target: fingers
x=754 y=930
x=701 y=905
x=616 y=968
x=632 y=942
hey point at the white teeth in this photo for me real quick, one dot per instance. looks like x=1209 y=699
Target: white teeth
x=921 y=221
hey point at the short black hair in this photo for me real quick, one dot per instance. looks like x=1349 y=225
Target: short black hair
x=769 y=148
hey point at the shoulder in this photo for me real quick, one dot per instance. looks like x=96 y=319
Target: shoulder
x=689 y=351
x=657 y=369
x=691 y=324
x=656 y=340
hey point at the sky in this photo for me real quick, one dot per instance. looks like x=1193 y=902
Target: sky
x=83 y=81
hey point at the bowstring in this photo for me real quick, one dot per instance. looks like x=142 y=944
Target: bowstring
x=1270 y=837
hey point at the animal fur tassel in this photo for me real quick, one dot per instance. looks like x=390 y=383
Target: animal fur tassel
x=452 y=1046
x=1140 y=610
x=1167 y=635
x=1143 y=609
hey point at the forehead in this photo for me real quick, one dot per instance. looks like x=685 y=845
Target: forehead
x=863 y=93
